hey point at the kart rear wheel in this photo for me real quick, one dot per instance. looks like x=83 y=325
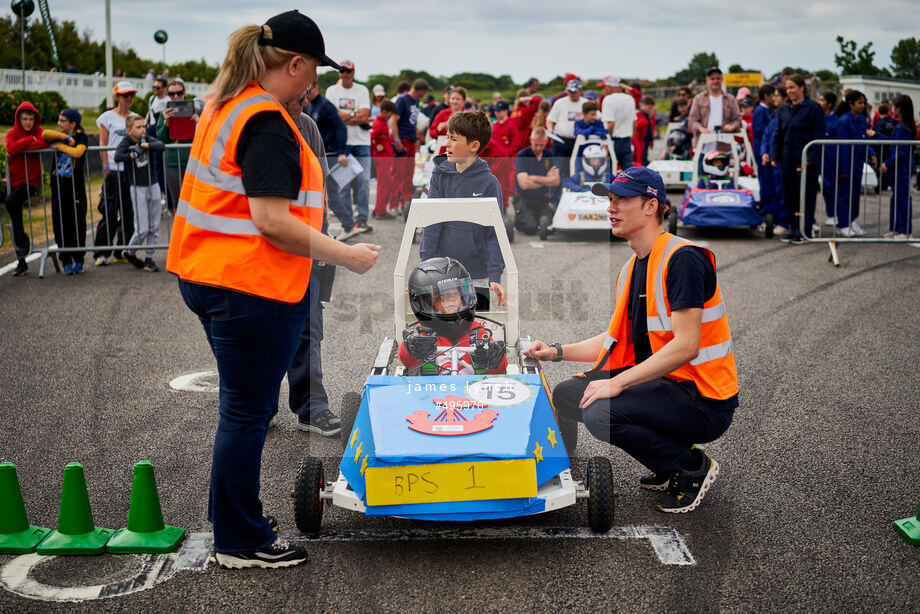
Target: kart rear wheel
x=544 y=224
x=672 y=223
x=601 y=495
x=308 y=506
x=509 y=229
x=406 y=212
x=351 y=402
x=768 y=223
x=569 y=430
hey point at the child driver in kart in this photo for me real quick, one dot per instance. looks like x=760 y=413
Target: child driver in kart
x=443 y=299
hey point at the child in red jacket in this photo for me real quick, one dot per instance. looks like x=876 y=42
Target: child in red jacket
x=25 y=174
x=500 y=152
x=443 y=299
x=382 y=152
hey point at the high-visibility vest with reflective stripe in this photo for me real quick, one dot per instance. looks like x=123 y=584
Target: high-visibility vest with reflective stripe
x=214 y=240
x=713 y=370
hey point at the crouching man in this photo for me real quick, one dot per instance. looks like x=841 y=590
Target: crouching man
x=664 y=375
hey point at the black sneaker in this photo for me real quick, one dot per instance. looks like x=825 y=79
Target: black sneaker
x=324 y=423
x=659 y=482
x=654 y=481
x=363 y=227
x=385 y=216
x=793 y=238
x=687 y=488
x=279 y=554
x=150 y=265
x=136 y=262
x=21 y=268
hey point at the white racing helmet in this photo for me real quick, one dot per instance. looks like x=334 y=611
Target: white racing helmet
x=717 y=163
x=594 y=161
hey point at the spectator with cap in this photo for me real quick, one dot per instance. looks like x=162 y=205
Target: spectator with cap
x=445 y=101
x=117 y=222
x=401 y=88
x=500 y=152
x=403 y=124
x=378 y=95
x=353 y=102
x=618 y=112
x=560 y=122
x=568 y=77
x=747 y=116
x=430 y=105
x=713 y=109
x=679 y=111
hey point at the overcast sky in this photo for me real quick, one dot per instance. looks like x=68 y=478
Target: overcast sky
x=541 y=38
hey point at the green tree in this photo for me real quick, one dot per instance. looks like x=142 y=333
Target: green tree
x=857 y=61
x=905 y=59
x=696 y=69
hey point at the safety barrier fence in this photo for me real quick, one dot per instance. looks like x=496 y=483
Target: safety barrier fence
x=57 y=225
x=863 y=202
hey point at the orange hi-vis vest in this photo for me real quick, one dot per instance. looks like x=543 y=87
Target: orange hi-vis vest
x=214 y=240
x=713 y=370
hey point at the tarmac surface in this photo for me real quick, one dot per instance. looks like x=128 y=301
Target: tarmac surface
x=821 y=458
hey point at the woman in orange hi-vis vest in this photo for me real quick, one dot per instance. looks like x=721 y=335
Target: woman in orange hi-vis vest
x=246 y=231
x=663 y=377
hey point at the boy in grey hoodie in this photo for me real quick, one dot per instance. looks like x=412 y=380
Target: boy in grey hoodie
x=460 y=174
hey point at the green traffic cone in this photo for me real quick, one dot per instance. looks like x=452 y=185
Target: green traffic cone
x=76 y=533
x=17 y=536
x=145 y=532
x=909 y=528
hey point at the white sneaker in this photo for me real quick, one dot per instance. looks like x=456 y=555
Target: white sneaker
x=895 y=235
x=831 y=221
x=815 y=230
x=779 y=231
x=354 y=232
x=849 y=232
x=857 y=228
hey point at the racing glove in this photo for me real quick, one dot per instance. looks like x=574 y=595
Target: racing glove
x=421 y=342
x=479 y=358
x=496 y=354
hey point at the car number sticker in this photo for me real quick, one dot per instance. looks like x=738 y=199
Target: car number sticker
x=592 y=217
x=499 y=391
x=475 y=481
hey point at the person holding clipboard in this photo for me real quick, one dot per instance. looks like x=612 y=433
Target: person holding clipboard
x=246 y=231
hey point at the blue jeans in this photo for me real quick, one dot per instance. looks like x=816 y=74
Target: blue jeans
x=334 y=199
x=622 y=148
x=253 y=340
x=361 y=182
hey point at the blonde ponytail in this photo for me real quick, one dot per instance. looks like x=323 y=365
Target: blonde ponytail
x=246 y=61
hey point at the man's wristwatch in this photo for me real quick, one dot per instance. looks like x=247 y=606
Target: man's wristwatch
x=558 y=347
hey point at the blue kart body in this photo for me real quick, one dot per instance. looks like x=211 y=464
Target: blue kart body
x=719 y=207
x=402 y=437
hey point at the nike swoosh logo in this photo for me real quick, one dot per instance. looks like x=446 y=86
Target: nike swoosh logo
x=475 y=194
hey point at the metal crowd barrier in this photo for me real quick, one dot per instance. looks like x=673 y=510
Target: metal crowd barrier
x=108 y=219
x=866 y=202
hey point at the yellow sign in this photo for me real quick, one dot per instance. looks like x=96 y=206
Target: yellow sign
x=476 y=481
x=739 y=79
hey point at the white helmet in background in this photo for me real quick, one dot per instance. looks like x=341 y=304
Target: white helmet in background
x=594 y=161
x=717 y=163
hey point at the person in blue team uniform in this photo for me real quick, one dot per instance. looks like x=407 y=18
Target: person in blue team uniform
x=828 y=102
x=900 y=164
x=852 y=124
x=771 y=195
x=798 y=123
x=759 y=120
x=595 y=167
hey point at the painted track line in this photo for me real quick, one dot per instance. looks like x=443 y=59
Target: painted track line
x=667 y=543
x=9 y=267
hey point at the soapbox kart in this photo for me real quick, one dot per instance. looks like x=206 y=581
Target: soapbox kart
x=677 y=171
x=675 y=164
x=581 y=210
x=732 y=200
x=454 y=447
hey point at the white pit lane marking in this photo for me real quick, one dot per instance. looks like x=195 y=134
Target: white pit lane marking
x=15 y=578
x=190 y=383
x=667 y=543
x=9 y=267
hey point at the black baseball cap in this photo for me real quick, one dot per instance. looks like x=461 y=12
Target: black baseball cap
x=713 y=69
x=635 y=181
x=298 y=33
x=501 y=105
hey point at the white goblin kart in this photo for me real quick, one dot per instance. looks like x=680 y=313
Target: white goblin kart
x=454 y=447
x=582 y=210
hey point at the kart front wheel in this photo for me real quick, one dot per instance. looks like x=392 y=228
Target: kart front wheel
x=351 y=402
x=544 y=224
x=308 y=505
x=509 y=229
x=600 y=494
